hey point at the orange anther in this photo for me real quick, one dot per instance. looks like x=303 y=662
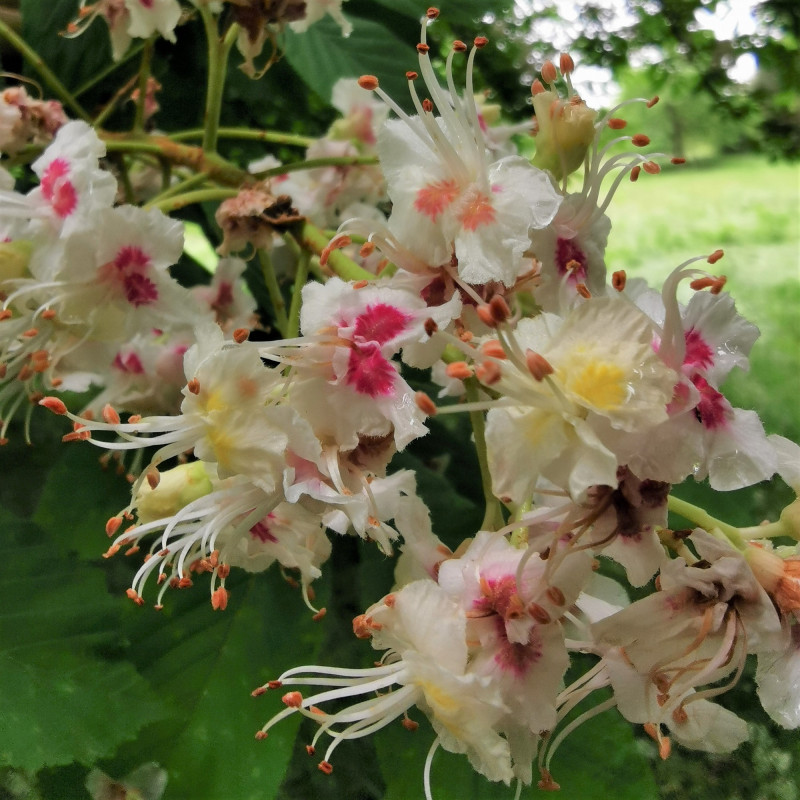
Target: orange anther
x=48 y=313
x=110 y=415
x=337 y=243
x=493 y=349
x=652 y=101
x=547 y=783
x=715 y=256
x=193 y=387
x=5 y=314
x=425 y=404
x=24 y=373
x=459 y=369
x=310 y=749
x=619 y=279
x=319 y=615
x=30 y=333
x=538 y=365
x=677 y=160
x=325 y=766
x=499 y=307
x=549 y=73
x=261 y=735
x=259 y=691
x=488 y=372
x=539 y=614
x=432 y=12
x=411 y=75
x=635 y=173
x=153 y=478
x=292 y=699
x=459 y=46
x=480 y=41
x=389 y=600
x=223 y=570
x=367 y=249
x=368 y=82
x=422 y=48
x=219 y=599
x=274 y=684
x=112 y=526
x=53 y=404
x=184 y=582
x=651 y=168
x=427 y=105
x=241 y=335
x=640 y=140
x=485 y=315
x=566 y=63
x=537 y=87
x=556 y=595
x=409 y=724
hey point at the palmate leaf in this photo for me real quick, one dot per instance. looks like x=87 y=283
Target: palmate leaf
x=60 y=701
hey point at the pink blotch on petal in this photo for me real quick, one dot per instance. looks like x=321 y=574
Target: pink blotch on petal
x=369 y=373
x=698 y=353
x=380 y=323
x=434 y=198
x=713 y=410
x=58 y=189
x=139 y=290
x=262 y=532
x=131 y=257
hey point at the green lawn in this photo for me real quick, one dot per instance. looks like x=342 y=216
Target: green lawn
x=751 y=209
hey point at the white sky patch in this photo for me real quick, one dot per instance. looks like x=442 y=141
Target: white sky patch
x=595 y=84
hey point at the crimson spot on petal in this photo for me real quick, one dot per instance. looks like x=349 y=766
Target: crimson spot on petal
x=368 y=372
x=380 y=323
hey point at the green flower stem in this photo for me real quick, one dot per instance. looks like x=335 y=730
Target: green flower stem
x=275 y=294
x=493 y=517
x=772 y=530
x=519 y=536
x=35 y=60
x=216 y=167
x=702 y=518
x=191 y=182
x=313 y=163
x=300 y=278
x=312 y=238
x=131 y=53
x=144 y=74
x=218 y=51
x=251 y=134
x=186 y=199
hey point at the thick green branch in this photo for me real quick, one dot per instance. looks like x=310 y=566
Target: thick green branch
x=493 y=517
x=274 y=137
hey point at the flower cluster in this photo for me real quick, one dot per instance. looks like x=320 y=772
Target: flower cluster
x=590 y=395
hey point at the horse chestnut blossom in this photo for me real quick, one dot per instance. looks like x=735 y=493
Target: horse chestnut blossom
x=261 y=412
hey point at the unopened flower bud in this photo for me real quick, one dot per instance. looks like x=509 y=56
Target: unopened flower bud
x=176 y=488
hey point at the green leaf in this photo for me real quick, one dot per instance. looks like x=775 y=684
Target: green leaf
x=59 y=701
x=321 y=56
x=206 y=664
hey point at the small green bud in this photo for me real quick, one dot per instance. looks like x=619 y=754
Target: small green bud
x=176 y=488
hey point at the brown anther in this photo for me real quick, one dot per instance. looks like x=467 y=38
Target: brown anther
x=319 y=615
x=425 y=404
x=493 y=349
x=538 y=365
x=153 y=478
x=368 y=82
x=184 y=582
x=48 y=313
x=652 y=101
x=640 y=140
x=422 y=48
x=555 y=595
x=430 y=326
x=53 y=404
x=5 y=314
x=223 y=570
x=677 y=160
x=427 y=105
x=173 y=582
x=549 y=74
x=459 y=46
x=409 y=724
x=163 y=553
x=361 y=626
x=241 y=335
x=500 y=310
x=162 y=576
x=432 y=12
x=261 y=735
x=651 y=168
x=110 y=415
x=480 y=41
x=539 y=614
x=292 y=699
x=112 y=551
x=132 y=550
x=411 y=75
x=367 y=249
x=213 y=558
x=459 y=369
x=337 y=243
x=112 y=526
x=30 y=333
x=488 y=372
x=77 y=436
x=310 y=749
x=715 y=256
x=619 y=279
x=134 y=418
x=274 y=684
x=193 y=387
x=325 y=766
x=131 y=593
x=3 y=370
x=219 y=599
x=537 y=87
x=566 y=64
x=635 y=173
x=547 y=784
x=485 y=315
